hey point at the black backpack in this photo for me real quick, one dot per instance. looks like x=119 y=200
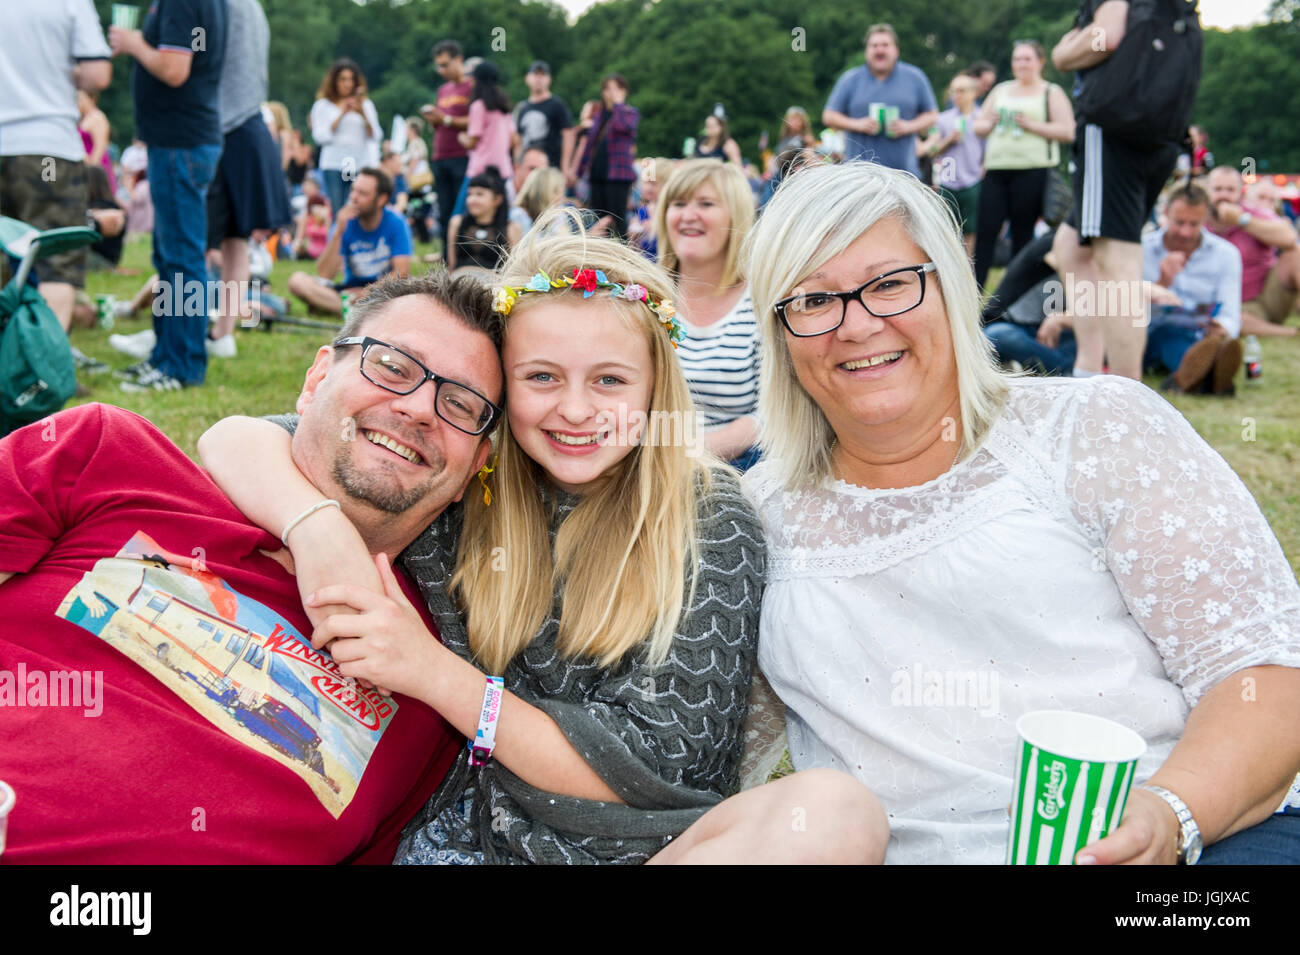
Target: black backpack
x=1144 y=92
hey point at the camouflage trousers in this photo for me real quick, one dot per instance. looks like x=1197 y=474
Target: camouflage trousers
x=46 y=193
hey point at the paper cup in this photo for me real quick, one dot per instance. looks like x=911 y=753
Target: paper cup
x=1073 y=775
x=105 y=310
x=7 y=800
x=126 y=16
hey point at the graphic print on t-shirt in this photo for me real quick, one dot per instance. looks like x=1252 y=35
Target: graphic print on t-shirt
x=369 y=258
x=534 y=128
x=237 y=662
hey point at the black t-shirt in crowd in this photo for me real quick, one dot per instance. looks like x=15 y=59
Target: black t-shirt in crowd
x=541 y=124
x=185 y=116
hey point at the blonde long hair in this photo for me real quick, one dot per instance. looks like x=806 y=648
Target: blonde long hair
x=815 y=216
x=626 y=558
x=541 y=190
x=733 y=189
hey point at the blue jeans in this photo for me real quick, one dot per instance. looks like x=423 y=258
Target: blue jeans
x=1166 y=346
x=337 y=189
x=1275 y=841
x=459 y=208
x=1014 y=342
x=178 y=184
x=746 y=459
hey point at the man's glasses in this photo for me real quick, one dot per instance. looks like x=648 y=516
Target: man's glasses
x=815 y=313
x=394 y=370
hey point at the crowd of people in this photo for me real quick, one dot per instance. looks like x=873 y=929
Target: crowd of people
x=673 y=453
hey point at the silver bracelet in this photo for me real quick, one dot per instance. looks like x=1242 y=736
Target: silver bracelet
x=284 y=535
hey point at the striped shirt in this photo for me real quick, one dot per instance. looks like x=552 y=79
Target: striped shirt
x=720 y=361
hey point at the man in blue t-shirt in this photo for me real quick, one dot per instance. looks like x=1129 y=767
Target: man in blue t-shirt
x=178 y=56
x=885 y=87
x=369 y=240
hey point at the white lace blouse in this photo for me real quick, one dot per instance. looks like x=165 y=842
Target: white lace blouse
x=1094 y=554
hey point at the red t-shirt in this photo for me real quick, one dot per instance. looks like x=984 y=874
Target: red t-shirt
x=453 y=98
x=1257 y=258
x=158 y=700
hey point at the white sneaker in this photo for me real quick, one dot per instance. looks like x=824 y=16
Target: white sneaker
x=139 y=346
x=223 y=347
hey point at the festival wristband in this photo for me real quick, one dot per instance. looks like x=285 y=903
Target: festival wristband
x=284 y=535
x=484 y=741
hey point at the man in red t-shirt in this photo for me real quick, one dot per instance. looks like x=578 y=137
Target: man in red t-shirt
x=1270 y=254
x=160 y=700
x=449 y=117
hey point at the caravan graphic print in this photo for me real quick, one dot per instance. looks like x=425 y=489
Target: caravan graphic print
x=236 y=662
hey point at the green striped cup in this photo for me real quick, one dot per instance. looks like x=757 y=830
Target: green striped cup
x=1073 y=775
x=125 y=15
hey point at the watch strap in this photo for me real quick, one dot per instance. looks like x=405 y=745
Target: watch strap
x=1189 y=832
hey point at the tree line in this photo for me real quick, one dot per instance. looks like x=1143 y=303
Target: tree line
x=755 y=57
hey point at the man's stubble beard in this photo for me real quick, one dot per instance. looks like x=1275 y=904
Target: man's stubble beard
x=380 y=494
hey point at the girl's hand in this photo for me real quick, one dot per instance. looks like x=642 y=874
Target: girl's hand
x=383 y=640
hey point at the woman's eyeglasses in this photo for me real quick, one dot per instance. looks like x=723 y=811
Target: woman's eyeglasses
x=809 y=314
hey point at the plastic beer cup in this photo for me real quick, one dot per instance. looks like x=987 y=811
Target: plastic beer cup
x=126 y=16
x=1073 y=776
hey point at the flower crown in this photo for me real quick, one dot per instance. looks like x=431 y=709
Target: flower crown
x=505 y=296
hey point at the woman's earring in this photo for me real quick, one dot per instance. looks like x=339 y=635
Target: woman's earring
x=483 y=473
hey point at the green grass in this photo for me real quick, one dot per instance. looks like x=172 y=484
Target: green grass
x=264 y=379
x=1257 y=432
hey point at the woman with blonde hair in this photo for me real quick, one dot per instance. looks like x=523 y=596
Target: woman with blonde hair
x=605 y=581
x=705 y=211
x=951 y=548
x=276 y=116
x=641 y=225
x=542 y=189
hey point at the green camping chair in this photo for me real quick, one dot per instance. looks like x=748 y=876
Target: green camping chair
x=37 y=373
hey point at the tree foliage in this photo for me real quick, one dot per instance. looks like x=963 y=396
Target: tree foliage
x=756 y=57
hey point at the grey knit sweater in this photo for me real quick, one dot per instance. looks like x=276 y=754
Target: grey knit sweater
x=666 y=739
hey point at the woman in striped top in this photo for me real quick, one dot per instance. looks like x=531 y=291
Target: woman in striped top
x=705 y=211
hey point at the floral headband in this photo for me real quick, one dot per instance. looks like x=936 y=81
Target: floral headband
x=505 y=296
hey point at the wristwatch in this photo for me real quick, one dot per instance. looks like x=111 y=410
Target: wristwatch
x=1243 y=220
x=446 y=119
x=1189 y=839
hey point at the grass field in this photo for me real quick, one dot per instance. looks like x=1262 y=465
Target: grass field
x=1258 y=431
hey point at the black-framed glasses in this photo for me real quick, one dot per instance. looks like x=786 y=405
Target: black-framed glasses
x=810 y=314
x=394 y=370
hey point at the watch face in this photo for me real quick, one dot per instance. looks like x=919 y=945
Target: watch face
x=1193 y=851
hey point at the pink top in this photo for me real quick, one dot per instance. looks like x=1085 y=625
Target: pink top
x=1257 y=257
x=494 y=130
x=88 y=141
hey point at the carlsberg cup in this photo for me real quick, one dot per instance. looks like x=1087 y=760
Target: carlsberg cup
x=1073 y=775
